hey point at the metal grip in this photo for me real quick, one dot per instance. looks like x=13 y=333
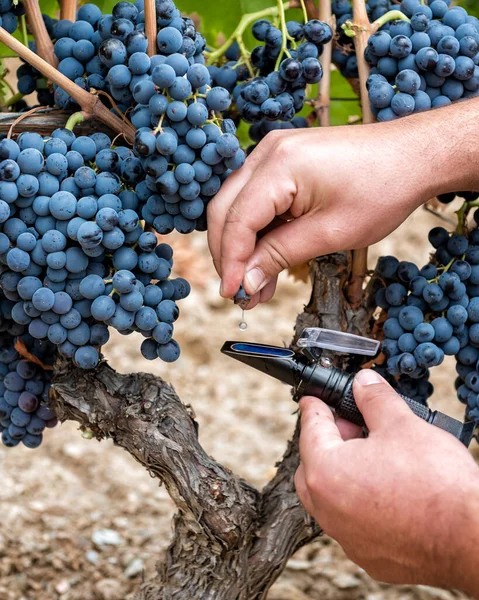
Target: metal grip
x=348 y=409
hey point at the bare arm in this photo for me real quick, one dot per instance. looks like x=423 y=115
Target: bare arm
x=341 y=188
x=403 y=503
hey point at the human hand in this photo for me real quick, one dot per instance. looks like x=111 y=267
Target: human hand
x=338 y=187
x=402 y=503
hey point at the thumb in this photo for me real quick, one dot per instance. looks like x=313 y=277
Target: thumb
x=379 y=404
x=293 y=243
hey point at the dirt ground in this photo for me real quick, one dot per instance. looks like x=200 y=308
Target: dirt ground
x=82 y=520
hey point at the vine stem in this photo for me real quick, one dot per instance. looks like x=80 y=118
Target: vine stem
x=305 y=12
x=245 y=21
x=363 y=30
x=75 y=119
x=392 y=15
x=90 y=104
x=462 y=213
x=23 y=26
x=150 y=26
x=39 y=31
x=324 y=97
x=284 y=31
x=14 y=99
x=68 y=10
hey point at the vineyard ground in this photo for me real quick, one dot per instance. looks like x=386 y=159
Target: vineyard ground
x=55 y=509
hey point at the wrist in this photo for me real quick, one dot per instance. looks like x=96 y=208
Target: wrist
x=437 y=151
x=462 y=572
x=445 y=148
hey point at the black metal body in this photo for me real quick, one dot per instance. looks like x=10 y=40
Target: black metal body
x=322 y=380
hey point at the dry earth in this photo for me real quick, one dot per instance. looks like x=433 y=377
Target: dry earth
x=81 y=520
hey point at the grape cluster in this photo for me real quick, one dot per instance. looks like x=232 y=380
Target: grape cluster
x=181 y=145
x=344 y=53
x=24 y=405
x=30 y=80
x=433 y=312
x=75 y=257
x=9 y=13
x=108 y=52
x=427 y=63
x=277 y=95
x=260 y=130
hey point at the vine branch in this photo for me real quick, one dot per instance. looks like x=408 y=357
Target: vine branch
x=150 y=26
x=68 y=10
x=322 y=105
x=46 y=120
x=39 y=31
x=244 y=23
x=90 y=104
x=363 y=31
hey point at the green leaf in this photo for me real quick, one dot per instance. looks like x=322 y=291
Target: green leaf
x=342 y=111
x=50 y=8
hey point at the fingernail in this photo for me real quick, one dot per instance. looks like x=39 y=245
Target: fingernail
x=222 y=289
x=368 y=377
x=255 y=279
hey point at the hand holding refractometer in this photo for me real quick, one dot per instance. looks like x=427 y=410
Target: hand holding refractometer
x=310 y=374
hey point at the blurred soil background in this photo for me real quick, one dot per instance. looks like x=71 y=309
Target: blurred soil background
x=81 y=520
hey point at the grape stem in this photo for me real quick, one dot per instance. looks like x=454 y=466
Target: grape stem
x=14 y=99
x=75 y=119
x=351 y=29
x=23 y=26
x=44 y=45
x=392 y=15
x=237 y=35
x=462 y=215
x=68 y=9
x=150 y=26
x=285 y=36
x=90 y=103
x=305 y=12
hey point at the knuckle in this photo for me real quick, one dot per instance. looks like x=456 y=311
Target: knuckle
x=278 y=255
x=233 y=215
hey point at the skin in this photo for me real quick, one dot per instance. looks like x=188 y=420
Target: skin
x=403 y=503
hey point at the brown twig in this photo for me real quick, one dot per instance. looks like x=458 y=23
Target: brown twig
x=68 y=10
x=323 y=103
x=21 y=117
x=37 y=27
x=362 y=28
x=90 y=103
x=150 y=26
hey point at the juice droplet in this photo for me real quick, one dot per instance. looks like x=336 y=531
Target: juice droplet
x=243 y=325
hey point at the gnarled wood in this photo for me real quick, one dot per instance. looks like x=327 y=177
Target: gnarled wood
x=230 y=541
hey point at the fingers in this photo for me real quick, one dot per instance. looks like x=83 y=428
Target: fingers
x=219 y=206
x=290 y=244
x=379 y=404
x=319 y=432
x=302 y=490
x=262 y=199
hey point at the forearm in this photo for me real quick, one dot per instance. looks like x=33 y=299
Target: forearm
x=464 y=536
x=442 y=148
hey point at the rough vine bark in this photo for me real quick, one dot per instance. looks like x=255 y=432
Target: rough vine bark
x=230 y=541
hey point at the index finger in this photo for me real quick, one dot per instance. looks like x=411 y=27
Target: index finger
x=218 y=207
x=264 y=197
